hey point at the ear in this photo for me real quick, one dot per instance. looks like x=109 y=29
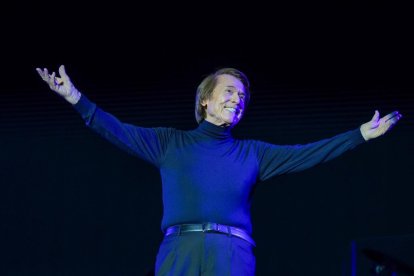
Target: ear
x=204 y=103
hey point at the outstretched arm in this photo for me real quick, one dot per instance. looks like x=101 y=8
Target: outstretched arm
x=146 y=143
x=61 y=85
x=379 y=126
x=275 y=160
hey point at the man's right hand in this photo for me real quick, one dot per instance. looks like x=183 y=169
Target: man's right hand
x=61 y=85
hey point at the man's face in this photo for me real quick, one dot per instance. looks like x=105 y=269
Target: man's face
x=226 y=104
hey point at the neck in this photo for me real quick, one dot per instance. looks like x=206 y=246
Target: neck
x=212 y=130
x=220 y=124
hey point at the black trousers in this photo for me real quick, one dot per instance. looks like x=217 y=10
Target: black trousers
x=202 y=253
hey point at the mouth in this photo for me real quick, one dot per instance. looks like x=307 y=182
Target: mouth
x=231 y=109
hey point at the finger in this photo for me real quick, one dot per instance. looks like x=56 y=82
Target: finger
x=42 y=74
x=390 y=123
x=46 y=75
x=394 y=119
x=39 y=71
x=390 y=116
x=53 y=78
x=51 y=81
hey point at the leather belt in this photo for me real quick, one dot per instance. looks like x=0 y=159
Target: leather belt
x=210 y=227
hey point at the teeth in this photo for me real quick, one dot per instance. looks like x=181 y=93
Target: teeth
x=231 y=109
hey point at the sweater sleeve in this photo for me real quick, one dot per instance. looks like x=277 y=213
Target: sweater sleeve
x=276 y=160
x=148 y=144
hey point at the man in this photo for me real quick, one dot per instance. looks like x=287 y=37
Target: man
x=207 y=175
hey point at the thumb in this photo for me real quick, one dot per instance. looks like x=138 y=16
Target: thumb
x=62 y=73
x=376 y=116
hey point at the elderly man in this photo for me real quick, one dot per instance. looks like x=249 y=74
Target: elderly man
x=207 y=175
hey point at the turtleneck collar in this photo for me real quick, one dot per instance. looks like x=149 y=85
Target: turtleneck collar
x=213 y=130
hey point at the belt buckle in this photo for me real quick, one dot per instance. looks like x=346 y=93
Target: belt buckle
x=210 y=226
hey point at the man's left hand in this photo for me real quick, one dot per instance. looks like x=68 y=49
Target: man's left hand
x=379 y=126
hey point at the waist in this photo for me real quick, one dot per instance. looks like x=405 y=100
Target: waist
x=210 y=227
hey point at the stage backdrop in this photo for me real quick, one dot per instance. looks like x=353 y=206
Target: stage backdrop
x=73 y=204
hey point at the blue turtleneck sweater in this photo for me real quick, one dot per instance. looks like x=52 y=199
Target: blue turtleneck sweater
x=207 y=175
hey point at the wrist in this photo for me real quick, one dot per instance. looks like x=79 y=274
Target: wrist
x=364 y=135
x=74 y=96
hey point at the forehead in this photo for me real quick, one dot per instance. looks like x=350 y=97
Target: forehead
x=229 y=81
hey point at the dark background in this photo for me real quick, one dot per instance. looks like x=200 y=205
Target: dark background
x=73 y=204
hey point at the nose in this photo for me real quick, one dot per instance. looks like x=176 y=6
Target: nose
x=235 y=98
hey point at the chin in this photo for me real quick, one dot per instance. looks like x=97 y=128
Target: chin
x=231 y=121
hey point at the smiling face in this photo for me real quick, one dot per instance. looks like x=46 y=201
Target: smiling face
x=226 y=105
